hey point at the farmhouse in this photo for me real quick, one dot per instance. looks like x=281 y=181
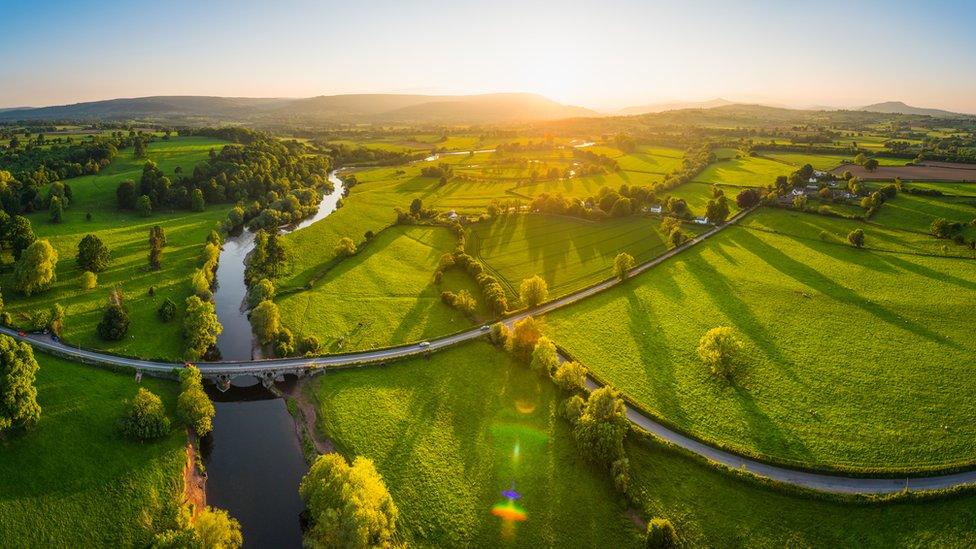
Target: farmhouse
x=700 y=220
x=656 y=209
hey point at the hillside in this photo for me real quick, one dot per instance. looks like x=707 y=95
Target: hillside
x=899 y=107
x=674 y=106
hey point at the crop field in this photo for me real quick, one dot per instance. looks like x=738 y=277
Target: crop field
x=934 y=172
x=916 y=213
x=73 y=481
x=853 y=359
x=383 y=295
x=450 y=433
x=748 y=171
x=568 y=253
x=125 y=233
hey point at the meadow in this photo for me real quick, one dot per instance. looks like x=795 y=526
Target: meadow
x=73 y=481
x=381 y=296
x=916 y=213
x=853 y=359
x=125 y=233
x=746 y=171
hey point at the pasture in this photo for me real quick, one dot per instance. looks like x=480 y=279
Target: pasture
x=916 y=213
x=73 y=481
x=125 y=233
x=853 y=359
x=747 y=171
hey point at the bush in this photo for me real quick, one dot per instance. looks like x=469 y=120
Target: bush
x=620 y=472
x=661 y=534
x=193 y=405
x=144 y=417
x=345 y=248
x=570 y=376
x=719 y=348
x=284 y=344
x=310 y=345
x=88 y=280
x=856 y=238
x=114 y=323
x=545 y=358
x=525 y=334
x=499 y=334
x=167 y=311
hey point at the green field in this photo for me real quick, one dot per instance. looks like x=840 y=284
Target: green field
x=125 y=233
x=697 y=195
x=73 y=481
x=382 y=296
x=960 y=189
x=916 y=213
x=748 y=171
x=825 y=162
x=568 y=253
x=449 y=434
x=853 y=359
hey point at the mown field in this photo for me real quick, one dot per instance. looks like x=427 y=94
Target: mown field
x=697 y=195
x=383 y=295
x=443 y=432
x=568 y=253
x=916 y=213
x=853 y=359
x=449 y=434
x=73 y=481
x=825 y=161
x=949 y=188
x=747 y=171
x=126 y=234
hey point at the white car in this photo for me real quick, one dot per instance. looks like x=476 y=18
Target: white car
x=424 y=344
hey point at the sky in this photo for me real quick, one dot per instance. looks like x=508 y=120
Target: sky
x=604 y=54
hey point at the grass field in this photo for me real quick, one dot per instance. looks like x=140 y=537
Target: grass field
x=853 y=359
x=442 y=433
x=568 y=253
x=449 y=434
x=960 y=189
x=697 y=196
x=916 y=213
x=825 y=161
x=748 y=171
x=126 y=235
x=73 y=481
x=382 y=296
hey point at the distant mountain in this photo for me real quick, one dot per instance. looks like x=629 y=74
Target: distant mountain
x=351 y=108
x=898 y=107
x=674 y=106
x=5 y=109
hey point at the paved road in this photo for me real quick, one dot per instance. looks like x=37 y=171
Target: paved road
x=814 y=481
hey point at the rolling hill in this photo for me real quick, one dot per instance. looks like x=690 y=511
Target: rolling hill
x=898 y=107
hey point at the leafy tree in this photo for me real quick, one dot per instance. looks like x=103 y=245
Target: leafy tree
x=348 y=506
x=856 y=238
x=310 y=345
x=56 y=209
x=717 y=210
x=284 y=343
x=216 y=529
x=871 y=164
x=193 y=405
x=167 y=311
x=661 y=534
x=570 y=376
x=602 y=426
x=92 y=254
x=144 y=417
x=263 y=290
x=125 y=195
x=18 y=396
x=35 y=270
x=525 y=334
x=114 y=323
x=533 y=291
x=57 y=319
x=622 y=264
x=676 y=238
x=88 y=280
x=545 y=357
x=20 y=234
x=197 y=203
x=346 y=247
x=266 y=321
x=860 y=159
x=415 y=206
x=139 y=148
x=499 y=333
x=621 y=208
x=747 y=198
x=157 y=240
x=144 y=206
x=719 y=348
x=200 y=327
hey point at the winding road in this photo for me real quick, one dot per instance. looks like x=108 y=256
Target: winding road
x=810 y=480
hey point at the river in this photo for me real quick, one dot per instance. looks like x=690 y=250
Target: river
x=253 y=456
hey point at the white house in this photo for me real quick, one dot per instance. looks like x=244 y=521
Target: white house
x=701 y=220
x=452 y=215
x=656 y=209
x=797 y=192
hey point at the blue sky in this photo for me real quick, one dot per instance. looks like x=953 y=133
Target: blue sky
x=602 y=54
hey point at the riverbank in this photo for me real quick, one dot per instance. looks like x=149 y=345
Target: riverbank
x=194 y=476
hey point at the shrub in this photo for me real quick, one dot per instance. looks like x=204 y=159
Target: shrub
x=719 y=348
x=572 y=408
x=620 y=472
x=284 y=344
x=856 y=238
x=144 y=417
x=144 y=206
x=499 y=334
x=167 y=311
x=345 y=248
x=661 y=534
x=525 y=334
x=310 y=345
x=88 y=280
x=570 y=376
x=193 y=405
x=545 y=358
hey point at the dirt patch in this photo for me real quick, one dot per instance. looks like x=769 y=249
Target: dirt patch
x=306 y=417
x=194 y=480
x=929 y=171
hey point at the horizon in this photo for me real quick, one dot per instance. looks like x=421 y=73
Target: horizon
x=597 y=56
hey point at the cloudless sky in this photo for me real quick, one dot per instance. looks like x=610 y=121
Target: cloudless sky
x=600 y=54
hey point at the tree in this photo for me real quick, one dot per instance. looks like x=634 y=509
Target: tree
x=200 y=327
x=157 y=240
x=570 y=376
x=139 y=148
x=860 y=159
x=20 y=235
x=719 y=348
x=525 y=333
x=56 y=209
x=533 y=291
x=499 y=334
x=18 y=396
x=871 y=164
x=284 y=344
x=144 y=417
x=661 y=534
x=35 y=270
x=92 y=254
x=216 y=529
x=57 y=319
x=197 y=203
x=125 y=195
x=346 y=247
x=622 y=264
x=310 y=345
x=114 y=323
x=717 y=210
x=144 y=206
x=266 y=321
x=167 y=311
x=263 y=290
x=348 y=506
x=602 y=426
x=88 y=280
x=415 y=206
x=856 y=238
x=545 y=357
x=193 y=405
x=747 y=198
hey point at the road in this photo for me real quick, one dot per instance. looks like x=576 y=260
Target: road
x=810 y=480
